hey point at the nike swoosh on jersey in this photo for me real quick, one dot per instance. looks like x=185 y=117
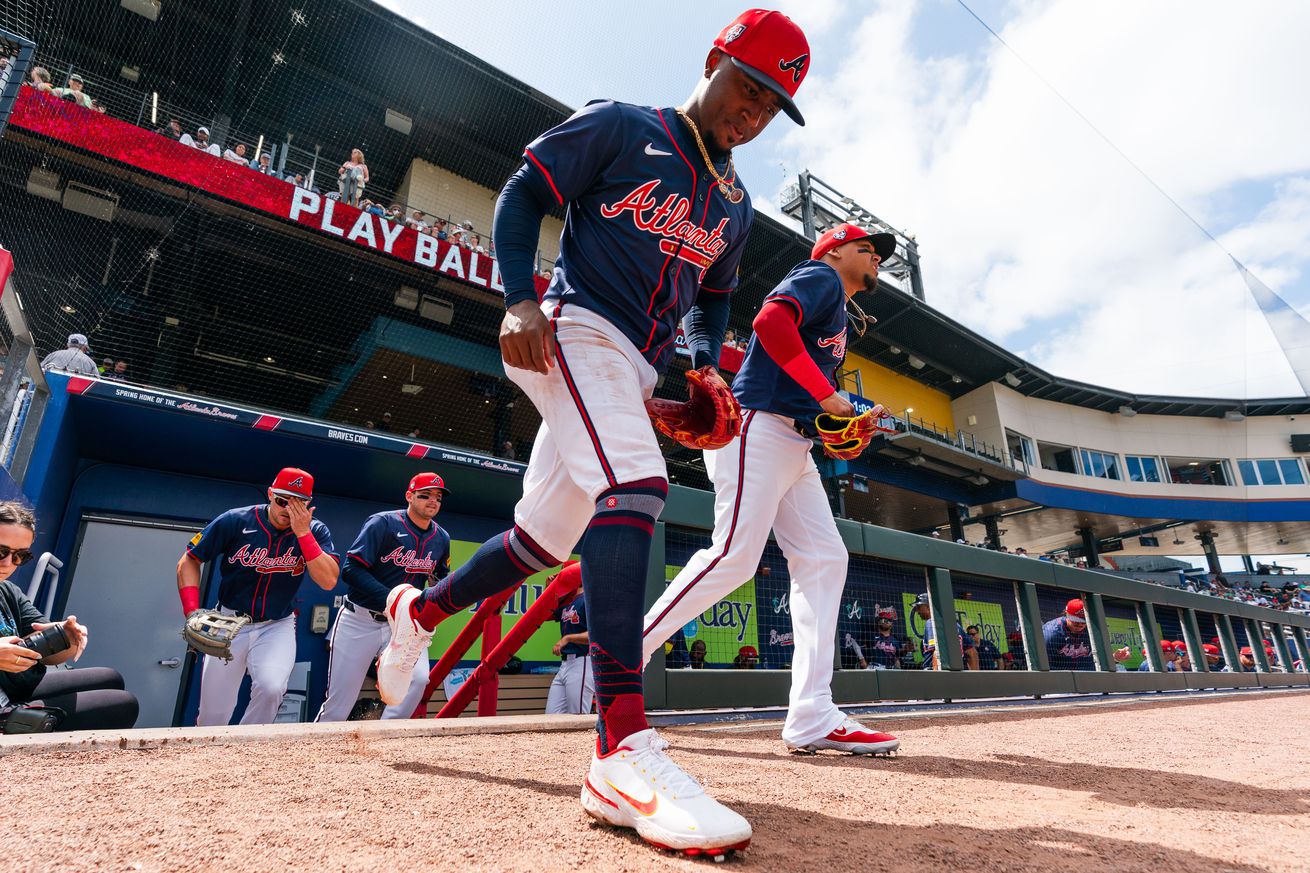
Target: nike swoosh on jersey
x=647 y=808
x=252 y=530
x=398 y=536
x=655 y=153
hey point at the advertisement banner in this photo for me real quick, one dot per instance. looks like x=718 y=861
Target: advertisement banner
x=988 y=616
x=1126 y=632
x=726 y=625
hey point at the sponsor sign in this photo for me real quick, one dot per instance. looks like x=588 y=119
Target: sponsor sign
x=725 y=626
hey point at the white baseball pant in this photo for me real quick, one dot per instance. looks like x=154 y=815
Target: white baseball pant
x=573 y=687
x=267 y=651
x=356 y=641
x=766 y=479
x=595 y=433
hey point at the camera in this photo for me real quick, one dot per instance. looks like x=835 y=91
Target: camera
x=45 y=643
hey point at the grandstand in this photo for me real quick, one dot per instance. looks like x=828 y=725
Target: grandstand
x=362 y=343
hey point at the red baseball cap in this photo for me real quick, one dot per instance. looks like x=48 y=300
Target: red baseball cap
x=1246 y=650
x=1075 y=610
x=771 y=49
x=1211 y=650
x=426 y=482
x=883 y=243
x=293 y=482
x=748 y=652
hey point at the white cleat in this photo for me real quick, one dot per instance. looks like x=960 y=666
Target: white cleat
x=637 y=786
x=409 y=641
x=852 y=737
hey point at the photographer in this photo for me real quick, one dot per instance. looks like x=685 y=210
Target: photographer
x=91 y=698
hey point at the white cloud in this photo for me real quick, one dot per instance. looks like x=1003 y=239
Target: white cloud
x=1034 y=232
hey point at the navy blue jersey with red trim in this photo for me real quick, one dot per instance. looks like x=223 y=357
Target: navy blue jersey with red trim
x=260 y=568
x=391 y=550
x=645 y=227
x=814 y=292
x=572 y=618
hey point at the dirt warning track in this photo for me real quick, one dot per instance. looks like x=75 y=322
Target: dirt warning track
x=1213 y=783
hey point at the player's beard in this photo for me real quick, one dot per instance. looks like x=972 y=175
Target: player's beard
x=871 y=282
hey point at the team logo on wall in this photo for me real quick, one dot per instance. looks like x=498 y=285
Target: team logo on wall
x=853 y=611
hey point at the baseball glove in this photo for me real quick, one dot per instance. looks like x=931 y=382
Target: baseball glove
x=210 y=632
x=710 y=418
x=846 y=438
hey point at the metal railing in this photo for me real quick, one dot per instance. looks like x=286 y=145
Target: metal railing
x=956 y=439
x=23 y=389
x=151 y=111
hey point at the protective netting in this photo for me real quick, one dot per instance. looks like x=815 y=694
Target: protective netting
x=286 y=205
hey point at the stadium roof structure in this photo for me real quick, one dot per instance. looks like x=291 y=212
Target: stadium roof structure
x=473 y=119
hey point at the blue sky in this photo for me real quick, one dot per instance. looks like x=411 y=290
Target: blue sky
x=1033 y=231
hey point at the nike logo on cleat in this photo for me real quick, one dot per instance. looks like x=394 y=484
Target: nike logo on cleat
x=654 y=153
x=647 y=808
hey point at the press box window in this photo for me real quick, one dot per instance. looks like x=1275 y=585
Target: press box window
x=1271 y=471
x=1142 y=468
x=1102 y=465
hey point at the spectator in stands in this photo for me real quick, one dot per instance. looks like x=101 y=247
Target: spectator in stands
x=106 y=367
x=696 y=655
x=439 y=229
x=98 y=107
x=73 y=359
x=172 y=130
x=416 y=221
x=39 y=79
x=84 y=699
x=385 y=423
x=395 y=212
x=730 y=338
x=201 y=141
x=264 y=165
x=507 y=450
x=372 y=208
x=928 y=643
x=476 y=244
x=73 y=91
x=120 y=371
x=237 y=155
x=352 y=178
x=1068 y=644
x=748 y=658
x=988 y=653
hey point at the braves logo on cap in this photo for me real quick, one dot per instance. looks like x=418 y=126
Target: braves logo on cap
x=796 y=67
x=298 y=482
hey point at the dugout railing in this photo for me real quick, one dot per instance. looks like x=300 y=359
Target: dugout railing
x=940 y=562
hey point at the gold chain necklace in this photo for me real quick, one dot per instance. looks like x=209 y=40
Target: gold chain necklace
x=726 y=188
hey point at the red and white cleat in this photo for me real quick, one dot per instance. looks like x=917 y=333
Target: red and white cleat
x=408 y=642
x=852 y=737
x=637 y=786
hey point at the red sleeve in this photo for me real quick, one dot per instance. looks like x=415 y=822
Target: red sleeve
x=775 y=328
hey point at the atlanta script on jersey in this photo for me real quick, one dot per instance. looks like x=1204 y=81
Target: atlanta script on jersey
x=260 y=567
x=814 y=290
x=645 y=228
x=391 y=550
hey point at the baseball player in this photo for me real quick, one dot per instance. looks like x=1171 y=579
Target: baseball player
x=766 y=479
x=1068 y=644
x=263 y=552
x=656 y=220
x=574 y=685
x=928 y=642
x=396 y=547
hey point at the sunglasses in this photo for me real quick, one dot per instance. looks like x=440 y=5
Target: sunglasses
x=285 y=502
x=20 y=556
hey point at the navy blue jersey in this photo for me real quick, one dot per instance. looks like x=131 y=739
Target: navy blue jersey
x=261 y=567
x=884 y=650
x=645 y=228
x=572 y=618
x=814 y=290
x=391 y=550
x=1067 y=651
x=928 y=643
